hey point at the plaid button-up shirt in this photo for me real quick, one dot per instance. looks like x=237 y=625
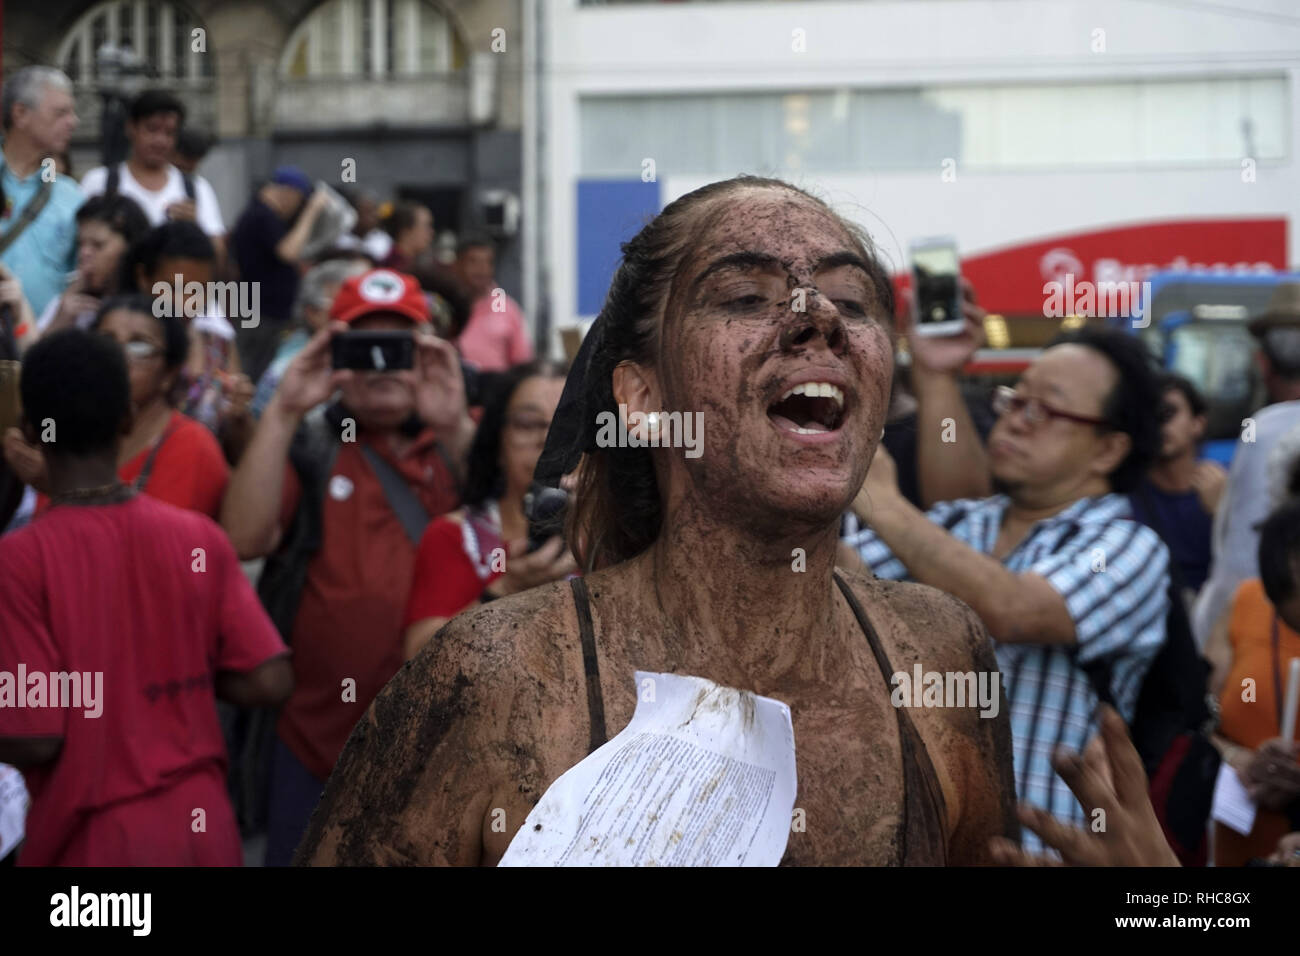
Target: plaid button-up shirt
x=1113 y=575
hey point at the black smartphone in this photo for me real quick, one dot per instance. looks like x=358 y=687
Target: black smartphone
x=545 y=508
x=385 y=351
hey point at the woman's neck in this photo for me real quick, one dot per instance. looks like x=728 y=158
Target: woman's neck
x=150 y=420
x=759 y=607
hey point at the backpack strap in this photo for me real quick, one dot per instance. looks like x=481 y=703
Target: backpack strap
x=113 y=181
x=410 y=512
x=190 y=191
x=312 y=455
x=30 y=212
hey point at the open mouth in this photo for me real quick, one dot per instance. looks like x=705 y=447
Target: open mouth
x=809 y=409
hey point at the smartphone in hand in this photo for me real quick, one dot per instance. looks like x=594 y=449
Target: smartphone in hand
x=545 y=508
x=936 y=284
x=386 y=351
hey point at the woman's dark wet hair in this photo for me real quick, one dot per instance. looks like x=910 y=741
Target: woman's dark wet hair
x=176 y=343
x=616 y=513
x=485 y=479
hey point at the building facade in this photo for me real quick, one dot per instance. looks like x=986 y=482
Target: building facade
x=1103 y=138
x=421 y=96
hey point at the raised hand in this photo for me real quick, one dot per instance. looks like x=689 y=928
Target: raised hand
x=1107 y=777
x=551 y=562
x=439 y=384
x=944 y=354
x=311 y=378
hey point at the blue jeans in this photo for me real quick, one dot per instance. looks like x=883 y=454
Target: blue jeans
x=295 y=791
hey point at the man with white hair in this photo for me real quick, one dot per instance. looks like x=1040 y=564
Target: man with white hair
x=38 y=228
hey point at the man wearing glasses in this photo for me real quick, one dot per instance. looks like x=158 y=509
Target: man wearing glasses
x=1062 y=576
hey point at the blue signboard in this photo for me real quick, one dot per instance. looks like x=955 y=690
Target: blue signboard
x=610 y=212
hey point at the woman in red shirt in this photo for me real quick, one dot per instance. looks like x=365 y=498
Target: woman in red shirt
x=479 y=552
x=167 y=455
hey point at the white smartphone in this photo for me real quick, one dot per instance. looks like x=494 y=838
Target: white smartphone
x=936 y=285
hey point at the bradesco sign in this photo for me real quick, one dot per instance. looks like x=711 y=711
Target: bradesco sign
x=1012 y=280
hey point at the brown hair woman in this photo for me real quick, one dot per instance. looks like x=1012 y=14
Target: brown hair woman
x=732 y=296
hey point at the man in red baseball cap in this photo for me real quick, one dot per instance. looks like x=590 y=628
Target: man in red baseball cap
x=337 y=497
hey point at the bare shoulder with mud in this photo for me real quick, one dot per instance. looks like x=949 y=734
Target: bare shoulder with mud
x=449 y=758
x=972 y=753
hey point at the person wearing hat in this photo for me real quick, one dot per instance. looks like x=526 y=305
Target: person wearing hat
x=337 y=497
x=1247 y=502
x=267 y=244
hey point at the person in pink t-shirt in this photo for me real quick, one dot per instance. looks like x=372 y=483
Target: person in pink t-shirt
x=495 y=338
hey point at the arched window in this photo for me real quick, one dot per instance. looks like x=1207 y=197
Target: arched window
x=159 y=32
x=374 y=38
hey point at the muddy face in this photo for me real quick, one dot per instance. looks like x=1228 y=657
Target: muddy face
x=793 y=401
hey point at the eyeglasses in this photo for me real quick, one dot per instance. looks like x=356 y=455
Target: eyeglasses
x=528 y=431
x=1006 y=400
x=140 y=351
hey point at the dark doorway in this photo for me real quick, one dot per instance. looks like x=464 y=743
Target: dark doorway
x=445 y=202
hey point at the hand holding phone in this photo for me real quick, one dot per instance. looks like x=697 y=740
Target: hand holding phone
x=948 y=354
x=533 y=568
x=309 y=378
x=545 y=509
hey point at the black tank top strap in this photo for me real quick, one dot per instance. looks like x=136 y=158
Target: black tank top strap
x=923 y=831
x=595 y=702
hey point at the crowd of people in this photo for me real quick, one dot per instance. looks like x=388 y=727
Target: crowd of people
x=322 y=612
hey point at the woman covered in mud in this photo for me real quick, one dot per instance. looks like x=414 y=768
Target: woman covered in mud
x=753 y=303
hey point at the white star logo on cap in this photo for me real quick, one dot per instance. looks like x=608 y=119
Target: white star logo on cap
x=382 y=286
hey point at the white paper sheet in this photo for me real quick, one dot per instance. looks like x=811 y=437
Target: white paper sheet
x=702 y=775
x=13 y=808
x=1232 y=805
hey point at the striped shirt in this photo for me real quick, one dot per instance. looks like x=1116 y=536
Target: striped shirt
x=1113 y=574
